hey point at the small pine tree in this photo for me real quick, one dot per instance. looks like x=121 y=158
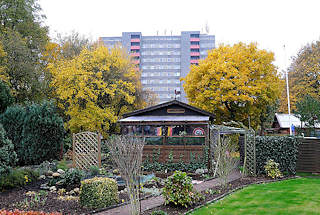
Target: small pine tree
x=8 y=156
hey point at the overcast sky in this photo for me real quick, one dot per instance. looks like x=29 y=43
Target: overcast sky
x=270 y=23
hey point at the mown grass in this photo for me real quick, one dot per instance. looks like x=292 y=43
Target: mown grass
x=299 y=196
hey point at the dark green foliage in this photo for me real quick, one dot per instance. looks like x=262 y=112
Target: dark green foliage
x=17 y=178
x=72 y=177
x=36 y=131
x=6 y=98
x=281 y=149
x=308 y=110
x=8 y=157
x=67 y=143
x=178 y=190
x=62 y=165
x=94 y=171
x=13 y=121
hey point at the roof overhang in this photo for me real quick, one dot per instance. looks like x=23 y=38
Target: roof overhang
x=165 y=119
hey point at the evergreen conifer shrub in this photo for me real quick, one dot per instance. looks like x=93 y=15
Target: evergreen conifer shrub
x=36 y=130
x=8 y=157
x=6 y=98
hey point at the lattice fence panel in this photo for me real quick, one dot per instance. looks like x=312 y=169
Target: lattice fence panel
x=86 y=150
x=250 y=153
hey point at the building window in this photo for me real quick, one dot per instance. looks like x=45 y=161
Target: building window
x=194 y=35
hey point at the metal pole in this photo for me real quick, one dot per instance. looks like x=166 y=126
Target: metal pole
x=287 y=83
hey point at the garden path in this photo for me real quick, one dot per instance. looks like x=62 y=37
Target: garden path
x=157 y=201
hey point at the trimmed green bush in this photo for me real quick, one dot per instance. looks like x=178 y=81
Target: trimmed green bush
x=178 y=190
x=36 y=131
x=8 y=157
x=98 y=192
x=281 y=149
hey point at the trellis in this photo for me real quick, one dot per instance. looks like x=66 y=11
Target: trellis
x=86 y=150
x=249 y=164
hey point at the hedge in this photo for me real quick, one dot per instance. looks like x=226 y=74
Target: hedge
x=282 y=149
x=98 y=192
x=36 y=131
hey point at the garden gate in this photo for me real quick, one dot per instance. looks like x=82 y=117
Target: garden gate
x=249 y=163
x=86 y=150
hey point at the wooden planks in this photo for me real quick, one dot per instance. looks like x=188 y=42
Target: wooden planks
x=309 y=156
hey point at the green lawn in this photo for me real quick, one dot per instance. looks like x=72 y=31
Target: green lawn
x=295 y=197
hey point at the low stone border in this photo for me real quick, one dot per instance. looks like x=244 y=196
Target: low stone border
x=239 y=188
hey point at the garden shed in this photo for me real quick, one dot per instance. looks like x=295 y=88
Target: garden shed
x=172 y=129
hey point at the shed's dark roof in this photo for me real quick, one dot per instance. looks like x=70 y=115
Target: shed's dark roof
x=165 y=119
x=173 y=102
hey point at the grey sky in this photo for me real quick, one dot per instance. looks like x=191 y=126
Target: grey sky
x=270 y=23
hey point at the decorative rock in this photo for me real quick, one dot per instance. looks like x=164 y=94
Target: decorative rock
x=50 y=176
x=115 y=171
x=59 y=183
x=44 y=186
x=71 y=192
x=53 y=189
x=76 y=190
x=56 y=174
x=200 y=171
x=42 y=177
x=61 y=171
x=49 y=173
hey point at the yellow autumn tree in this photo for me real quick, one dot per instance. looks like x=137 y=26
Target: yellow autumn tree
x=95 y=88
x=3 y=74
x=304 y=76
x=235 y=83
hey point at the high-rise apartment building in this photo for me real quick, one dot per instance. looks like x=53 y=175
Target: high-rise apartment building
x=164 y=59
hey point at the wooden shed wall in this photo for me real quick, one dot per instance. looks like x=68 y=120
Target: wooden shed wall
x=176 y=150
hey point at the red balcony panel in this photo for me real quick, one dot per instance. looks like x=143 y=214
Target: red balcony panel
x=136 y=61
x=195 y=46
x=195 y=39
x=195 y=54
x=194 y=61
x=135 y=54
x=135 y=47
x=135 y=40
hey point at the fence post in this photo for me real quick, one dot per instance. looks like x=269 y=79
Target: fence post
x=73 y=150
x=99 y=149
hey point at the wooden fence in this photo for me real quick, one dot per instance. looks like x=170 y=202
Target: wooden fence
x=177 y=151
x=86 y=150
x=309 y=155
